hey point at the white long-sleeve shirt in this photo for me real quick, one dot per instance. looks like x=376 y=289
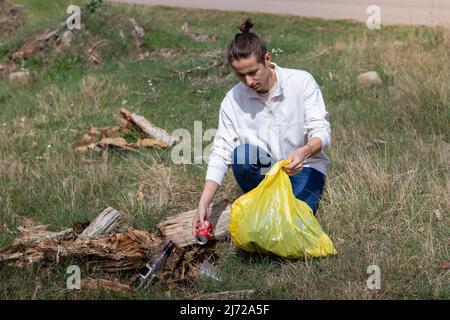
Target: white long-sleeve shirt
x=294 y=114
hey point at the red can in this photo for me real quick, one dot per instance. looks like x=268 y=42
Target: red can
x=203 y=235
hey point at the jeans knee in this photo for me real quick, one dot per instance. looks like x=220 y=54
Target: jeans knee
x=244 y=154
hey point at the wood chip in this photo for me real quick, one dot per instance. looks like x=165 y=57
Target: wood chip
x=149 y=142
x=116 y=143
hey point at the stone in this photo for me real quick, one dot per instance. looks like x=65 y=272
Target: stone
x=369 y=79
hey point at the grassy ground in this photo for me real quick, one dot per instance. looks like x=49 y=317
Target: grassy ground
x=380 y=197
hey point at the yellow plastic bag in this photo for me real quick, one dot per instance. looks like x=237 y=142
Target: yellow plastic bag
x=269 y=219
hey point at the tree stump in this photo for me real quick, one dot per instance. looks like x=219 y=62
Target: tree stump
x=107 y=222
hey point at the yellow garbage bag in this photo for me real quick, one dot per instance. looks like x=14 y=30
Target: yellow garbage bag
x=269 y=219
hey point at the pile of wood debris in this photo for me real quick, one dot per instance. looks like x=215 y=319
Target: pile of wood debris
x=133 y=133
x=107 y=246
x=32 y=46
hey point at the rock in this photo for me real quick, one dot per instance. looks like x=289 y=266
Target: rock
x=369 y=78
x=66 y=38
x=22 y=76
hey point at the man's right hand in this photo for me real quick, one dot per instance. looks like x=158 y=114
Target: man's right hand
x=203 y=208
x=199 y=219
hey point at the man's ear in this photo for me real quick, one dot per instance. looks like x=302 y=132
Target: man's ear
x=268 y=59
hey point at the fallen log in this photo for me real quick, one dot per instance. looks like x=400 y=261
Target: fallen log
x=121 y=251
x=30 y=234
x=179 y=228
x=40 y=233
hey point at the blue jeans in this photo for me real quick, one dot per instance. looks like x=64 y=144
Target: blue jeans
x=250 y=161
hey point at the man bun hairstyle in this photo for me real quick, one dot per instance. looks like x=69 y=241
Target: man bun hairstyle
x=246 y=25
x=246 y=44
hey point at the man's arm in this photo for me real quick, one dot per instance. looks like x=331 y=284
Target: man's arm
x=208 y=193
x=217 y=166
x=316 y=115
x=223 y=145
x=317 y=124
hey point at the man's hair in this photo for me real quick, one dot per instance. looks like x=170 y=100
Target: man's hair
x=246 y=43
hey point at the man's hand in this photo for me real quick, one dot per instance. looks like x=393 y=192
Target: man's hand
x=199 y=219
x=297 y=158
x=203 y=209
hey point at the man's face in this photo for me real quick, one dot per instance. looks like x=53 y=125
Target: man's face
x=252 y=73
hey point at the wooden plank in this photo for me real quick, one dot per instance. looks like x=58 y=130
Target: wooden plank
x=178 y=228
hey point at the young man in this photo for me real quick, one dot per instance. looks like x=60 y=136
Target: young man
x=272 y=114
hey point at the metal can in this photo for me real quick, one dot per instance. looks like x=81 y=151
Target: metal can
x=203 y=235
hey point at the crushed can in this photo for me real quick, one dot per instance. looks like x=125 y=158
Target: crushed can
x=203 y=235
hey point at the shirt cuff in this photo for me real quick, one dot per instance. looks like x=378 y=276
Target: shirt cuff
x=325 y=138
x=216 y=174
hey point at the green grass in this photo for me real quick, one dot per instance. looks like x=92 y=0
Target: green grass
x=379 y=201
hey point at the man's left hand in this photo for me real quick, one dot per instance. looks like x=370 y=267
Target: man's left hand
x=297 y=157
